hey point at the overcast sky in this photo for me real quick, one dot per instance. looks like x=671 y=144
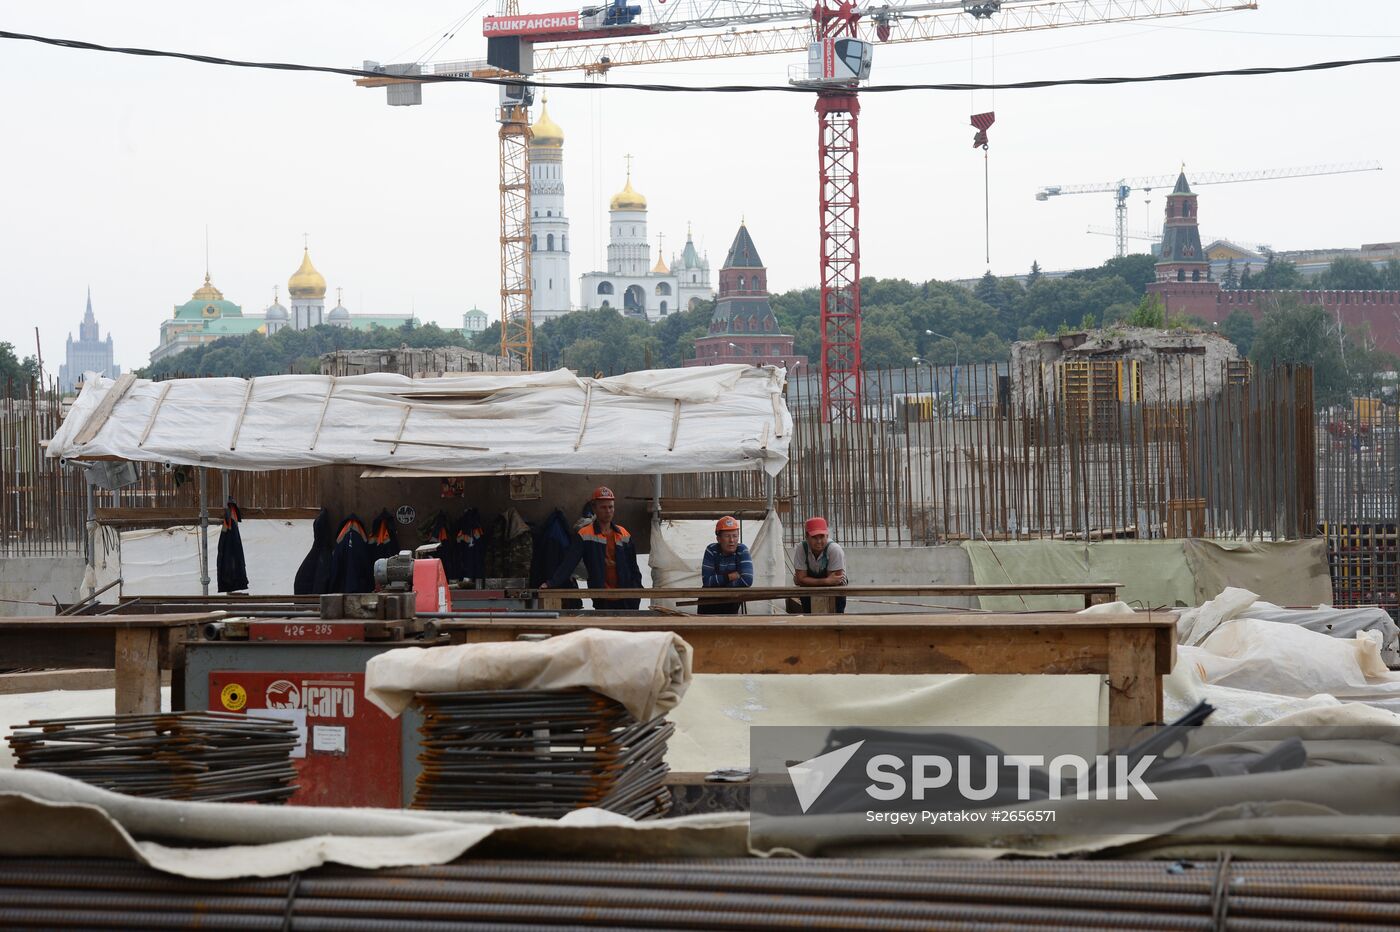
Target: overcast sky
x=114 y=165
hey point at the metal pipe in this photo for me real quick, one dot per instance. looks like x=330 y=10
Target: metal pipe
x=204 y=529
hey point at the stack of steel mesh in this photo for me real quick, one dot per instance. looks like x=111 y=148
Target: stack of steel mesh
x=540 y=753
x=211 y=756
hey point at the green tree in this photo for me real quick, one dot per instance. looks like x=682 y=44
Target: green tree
x=1231 y=281
x=1291 y=332
x=1350 y=274
x=1277 y=275
x=1239 y=330
x=1246 y=279
x=1150 y=312
x=1034 y=276
x=1136 y=271
x=15 y=376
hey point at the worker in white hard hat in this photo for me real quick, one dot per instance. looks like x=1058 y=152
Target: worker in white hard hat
x=607 y=552
x=727 y=565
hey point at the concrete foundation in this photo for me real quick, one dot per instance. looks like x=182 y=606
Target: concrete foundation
x=38 y=579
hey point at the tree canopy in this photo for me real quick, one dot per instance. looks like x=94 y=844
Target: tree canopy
x=934 y=320
x=290 y=350
x=15 y=375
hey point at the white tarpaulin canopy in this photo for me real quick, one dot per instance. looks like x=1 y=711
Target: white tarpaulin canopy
x=712 y=418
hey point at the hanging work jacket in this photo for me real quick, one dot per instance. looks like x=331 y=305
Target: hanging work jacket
x=383 y=537
x=352 y=570
x=314 y=575
x=232 y=569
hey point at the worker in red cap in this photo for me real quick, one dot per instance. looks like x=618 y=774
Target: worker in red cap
x=608 y=554
x=819 y=561
x=727 y=565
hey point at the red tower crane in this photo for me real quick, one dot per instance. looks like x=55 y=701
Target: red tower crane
x=838 y=36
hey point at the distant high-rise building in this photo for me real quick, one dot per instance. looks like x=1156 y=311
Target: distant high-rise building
x=88 y=353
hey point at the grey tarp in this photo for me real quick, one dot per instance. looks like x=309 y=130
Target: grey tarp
x=1292 y=572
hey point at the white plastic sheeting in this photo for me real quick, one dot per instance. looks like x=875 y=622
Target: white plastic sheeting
x=678 y=549
x=716 y=418
x=165 y=561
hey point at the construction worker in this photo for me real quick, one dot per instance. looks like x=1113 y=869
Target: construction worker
x=608 y=554
x=819 y=561
x=727 y=565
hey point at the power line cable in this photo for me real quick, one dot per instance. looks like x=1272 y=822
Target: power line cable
x=713 y=89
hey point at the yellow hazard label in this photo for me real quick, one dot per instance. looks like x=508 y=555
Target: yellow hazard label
x=234 y=697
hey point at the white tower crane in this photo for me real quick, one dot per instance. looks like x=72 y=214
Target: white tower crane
x=1122 y=188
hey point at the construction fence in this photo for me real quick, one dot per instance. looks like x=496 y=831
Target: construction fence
x=1108 y=448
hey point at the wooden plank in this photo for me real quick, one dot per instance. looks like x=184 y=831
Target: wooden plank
x=1134 y=686
x=909 y=650
x=45 y=648
x=75 y=623
x=40 y=681
x=157 y=517
x=98 y=419
x=1104 y=592
x=804 y=624
x=138 y=670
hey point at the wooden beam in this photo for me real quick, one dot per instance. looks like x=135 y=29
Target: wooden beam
x=38 y=681
x=138 y=670
x=98 y=419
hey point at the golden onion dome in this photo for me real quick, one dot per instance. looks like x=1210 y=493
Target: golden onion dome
x=207 y=291
x=627 y=198
x=306 y=282
x=545 y=133
x=660 y=267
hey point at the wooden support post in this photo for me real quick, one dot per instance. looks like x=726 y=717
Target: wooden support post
x=550 y=601
x=823 y=604
x=173 y=650
x=1134 y=684
x=1097 y=598
x=138 y=670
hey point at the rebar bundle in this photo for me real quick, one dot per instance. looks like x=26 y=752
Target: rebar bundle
x=210 y=756
x=752 y=894
x=540 y=753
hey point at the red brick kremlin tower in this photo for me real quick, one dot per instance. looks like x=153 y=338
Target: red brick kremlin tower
x=1186 y=289
x=744 y=328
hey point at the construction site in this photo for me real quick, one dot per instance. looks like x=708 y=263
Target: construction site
x=1100 y=635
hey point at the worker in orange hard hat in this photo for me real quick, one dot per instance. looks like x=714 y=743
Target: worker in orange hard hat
x=727 y=565
x=607 y=552
x=819 y=561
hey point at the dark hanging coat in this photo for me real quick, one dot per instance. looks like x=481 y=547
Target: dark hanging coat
x=441 y=531
x=352 y=570
x=232 y=570
x=314 y=575
x=552 y=539
x=383 y=537
x=471 y=545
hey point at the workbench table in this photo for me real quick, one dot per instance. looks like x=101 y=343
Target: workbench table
x=138 y=647
x=1133 y=650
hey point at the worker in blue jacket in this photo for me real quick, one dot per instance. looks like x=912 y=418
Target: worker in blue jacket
x=727 y=565
x=608 y=554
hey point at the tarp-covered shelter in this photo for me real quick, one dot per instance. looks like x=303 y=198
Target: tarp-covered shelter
x=715 y=418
